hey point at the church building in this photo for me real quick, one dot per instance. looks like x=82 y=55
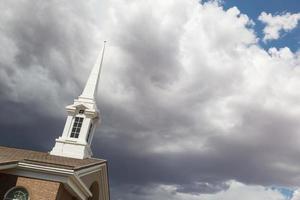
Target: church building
x=68 y=172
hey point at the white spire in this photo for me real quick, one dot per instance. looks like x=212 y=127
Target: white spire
x=83 y=116
x=91 y=86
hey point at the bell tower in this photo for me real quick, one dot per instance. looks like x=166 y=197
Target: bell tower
x=83 y=116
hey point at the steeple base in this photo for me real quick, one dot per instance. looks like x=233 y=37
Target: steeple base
x=71 y=149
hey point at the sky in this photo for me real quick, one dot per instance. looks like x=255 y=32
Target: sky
x=199 y=99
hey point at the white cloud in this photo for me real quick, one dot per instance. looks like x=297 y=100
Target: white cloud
x=246 y=192
x=185 y=87
x=235 y=191
x=296 y=195
x=276 y=24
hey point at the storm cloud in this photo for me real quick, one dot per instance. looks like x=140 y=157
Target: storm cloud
x=189 y=99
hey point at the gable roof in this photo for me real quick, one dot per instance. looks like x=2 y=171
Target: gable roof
x=13 y=155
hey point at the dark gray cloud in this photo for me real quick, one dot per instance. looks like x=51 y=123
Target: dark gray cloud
x=187 y=97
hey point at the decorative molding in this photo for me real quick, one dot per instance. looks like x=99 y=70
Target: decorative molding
x=89 y=170
x=66 y=176
x=8 y=166
x=40 y=168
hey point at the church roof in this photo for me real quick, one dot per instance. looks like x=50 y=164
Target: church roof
x=13 y=155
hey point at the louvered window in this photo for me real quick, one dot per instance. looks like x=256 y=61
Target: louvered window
x=76 y=127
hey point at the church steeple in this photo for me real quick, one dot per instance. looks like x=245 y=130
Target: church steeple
x=83 y=116
x=92 y=83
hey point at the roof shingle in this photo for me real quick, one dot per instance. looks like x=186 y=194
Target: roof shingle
x=11 y=155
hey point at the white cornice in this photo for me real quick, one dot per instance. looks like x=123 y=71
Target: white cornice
x=55 y=170
x=71 y=141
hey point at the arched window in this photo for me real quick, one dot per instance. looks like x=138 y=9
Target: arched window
x=17 y=193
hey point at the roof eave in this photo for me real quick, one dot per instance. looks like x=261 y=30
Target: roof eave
x=8 y=165
x=66 y=176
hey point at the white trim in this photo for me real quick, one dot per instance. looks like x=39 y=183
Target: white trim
x=81 y=185
x=65 y=176
x=71 y=141
x=54 y=170
x=89 y=170
x=8 y=166
x=104 y=187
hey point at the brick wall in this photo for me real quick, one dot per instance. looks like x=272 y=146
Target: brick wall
x=38 y=189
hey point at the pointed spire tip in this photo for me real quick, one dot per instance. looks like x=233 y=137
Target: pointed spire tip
x=91 y=86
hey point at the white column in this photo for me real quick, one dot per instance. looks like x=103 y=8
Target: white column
x=68 y=126
x=84 y=130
